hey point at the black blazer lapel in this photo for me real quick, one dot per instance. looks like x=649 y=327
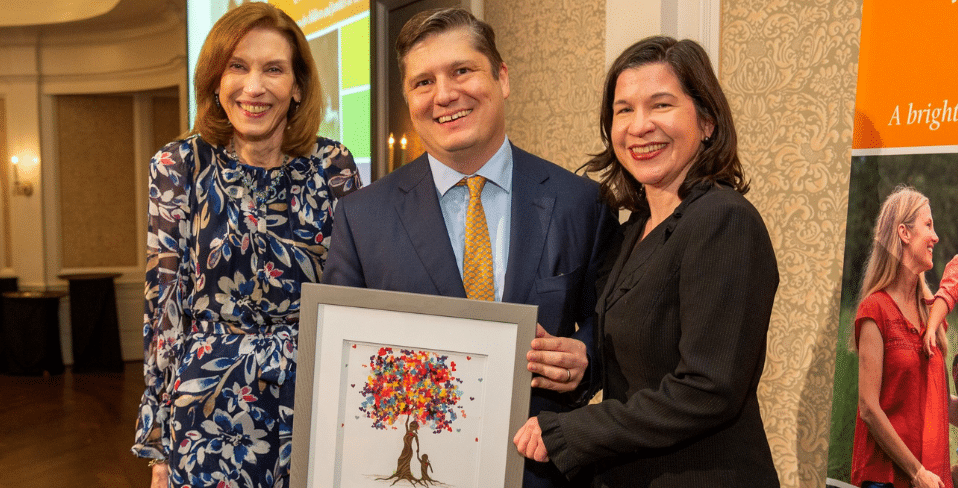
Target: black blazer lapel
x=421 y=217
x=621 y=270
x=532 y=204
x=633 y=257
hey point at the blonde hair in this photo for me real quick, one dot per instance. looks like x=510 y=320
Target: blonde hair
x=901 y=207
x=303 y=120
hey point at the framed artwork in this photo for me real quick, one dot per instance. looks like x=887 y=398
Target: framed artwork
x=401 y=389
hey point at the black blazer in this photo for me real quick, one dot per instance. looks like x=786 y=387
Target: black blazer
x=682 y=331
x=391 y=236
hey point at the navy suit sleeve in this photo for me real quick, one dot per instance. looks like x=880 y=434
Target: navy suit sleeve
x=342 y=261
x=607 y=225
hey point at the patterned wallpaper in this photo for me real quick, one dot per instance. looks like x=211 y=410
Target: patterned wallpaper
x=789 y=69
x=555 y=50
x=98 y=221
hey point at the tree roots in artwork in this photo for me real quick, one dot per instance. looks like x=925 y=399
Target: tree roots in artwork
x=400 y=476
x=425 y=481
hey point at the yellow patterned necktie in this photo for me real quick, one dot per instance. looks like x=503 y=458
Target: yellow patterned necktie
x=477 y=258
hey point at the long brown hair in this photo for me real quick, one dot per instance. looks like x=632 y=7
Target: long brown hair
x=717 y=160
x=901 y=207
x=302 y=121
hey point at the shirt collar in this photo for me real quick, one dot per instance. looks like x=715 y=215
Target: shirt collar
x=497 y=170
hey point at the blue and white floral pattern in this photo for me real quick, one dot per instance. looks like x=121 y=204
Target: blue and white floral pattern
x=222 y=306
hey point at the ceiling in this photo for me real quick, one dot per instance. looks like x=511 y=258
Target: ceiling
x=65 y=16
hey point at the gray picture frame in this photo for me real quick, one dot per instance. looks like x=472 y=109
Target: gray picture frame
x=319 y=390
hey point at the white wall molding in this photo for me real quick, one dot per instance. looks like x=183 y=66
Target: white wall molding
x=129 y=305
x=13 y=36
x=121 y=55
x=628 y=21
x=25 y=79
x=170 y=74
x=17 y=60
x=162 y=28
x=698 y=20
x=20 y=96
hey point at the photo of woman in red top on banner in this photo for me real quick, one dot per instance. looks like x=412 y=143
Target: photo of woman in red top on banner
x=901 y=431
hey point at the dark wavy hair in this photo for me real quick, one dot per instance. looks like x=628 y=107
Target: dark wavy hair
x=303 y=120
x=717 y=159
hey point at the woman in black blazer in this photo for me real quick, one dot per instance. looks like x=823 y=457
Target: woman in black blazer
x=684 y=310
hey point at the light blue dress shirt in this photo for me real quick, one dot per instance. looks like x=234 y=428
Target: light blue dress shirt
x=496 y=203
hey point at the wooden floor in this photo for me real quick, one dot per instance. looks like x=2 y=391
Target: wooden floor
x=71 y=430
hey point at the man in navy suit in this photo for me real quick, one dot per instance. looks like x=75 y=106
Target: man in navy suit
x=548 y=229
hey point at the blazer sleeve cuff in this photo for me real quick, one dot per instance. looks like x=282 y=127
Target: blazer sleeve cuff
x=556 y=444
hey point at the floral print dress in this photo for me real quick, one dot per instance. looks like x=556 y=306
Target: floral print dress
x=228 y=246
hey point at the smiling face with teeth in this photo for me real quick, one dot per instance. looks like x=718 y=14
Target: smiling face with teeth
x=456 y=100
x=918 y=241
x=656 y=131
x=257 y=86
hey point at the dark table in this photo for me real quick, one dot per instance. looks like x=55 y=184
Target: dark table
x=94 y=323
x=6 y=284
x=31 y=332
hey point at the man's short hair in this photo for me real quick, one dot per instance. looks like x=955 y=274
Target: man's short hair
x=438 y=21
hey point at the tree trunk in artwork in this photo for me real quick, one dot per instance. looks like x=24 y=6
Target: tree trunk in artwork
x=403 y=471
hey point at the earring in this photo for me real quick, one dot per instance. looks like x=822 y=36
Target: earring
x=705 y=140
x=216 y=99
x=293 y=107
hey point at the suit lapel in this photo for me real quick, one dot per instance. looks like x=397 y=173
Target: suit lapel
x=422 y=219
x=619 y=270
x=532 y=204
x=633 y=258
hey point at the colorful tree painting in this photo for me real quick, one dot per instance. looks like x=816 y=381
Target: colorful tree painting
x=415 y=387
x=416 y=383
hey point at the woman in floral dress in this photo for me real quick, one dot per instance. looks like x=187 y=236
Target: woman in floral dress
x=240 y=214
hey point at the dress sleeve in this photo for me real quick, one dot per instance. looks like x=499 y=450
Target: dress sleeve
x=726 y=285
x=870 y=309
x=167 y=279
x=948 y=290
x=340 y=169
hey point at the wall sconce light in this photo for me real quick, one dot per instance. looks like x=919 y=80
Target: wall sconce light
x=24 y=188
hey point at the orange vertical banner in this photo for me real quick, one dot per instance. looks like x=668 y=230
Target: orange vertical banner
x=907 y=75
